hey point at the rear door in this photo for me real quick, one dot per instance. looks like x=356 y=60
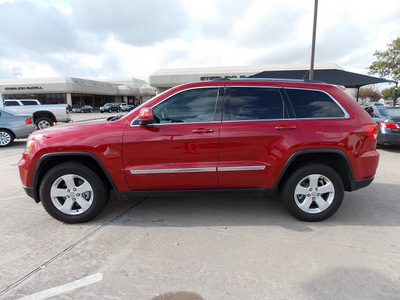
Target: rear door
x=258 y=135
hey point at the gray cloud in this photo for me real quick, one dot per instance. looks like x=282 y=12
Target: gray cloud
x=28 y=27
x=229 y=14
x=139 y=23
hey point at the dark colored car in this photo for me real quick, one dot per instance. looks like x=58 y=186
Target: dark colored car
x=110 y=107
x=127 y=107
x=309 y=141
x=83 y=109
x=13 y=126
x=388 y=119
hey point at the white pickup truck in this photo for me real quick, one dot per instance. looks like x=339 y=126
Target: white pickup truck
x=44 y=115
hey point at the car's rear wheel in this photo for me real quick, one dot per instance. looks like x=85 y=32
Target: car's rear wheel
x=73 y=193
x=6 y=138
x=313 y=192
x=43 y=122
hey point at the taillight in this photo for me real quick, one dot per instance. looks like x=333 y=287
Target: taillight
x=389 y=125
x=28 y=121
x=372 y=130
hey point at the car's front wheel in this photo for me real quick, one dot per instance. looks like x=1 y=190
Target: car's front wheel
x=312 y=193
x=73 y=193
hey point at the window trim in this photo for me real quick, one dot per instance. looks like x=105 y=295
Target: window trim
x=346 y=114
x=218 y=106
x=286 y=103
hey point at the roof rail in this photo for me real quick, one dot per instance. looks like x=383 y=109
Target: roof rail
x=266 y=79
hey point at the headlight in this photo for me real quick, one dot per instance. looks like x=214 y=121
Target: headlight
x=29 y=145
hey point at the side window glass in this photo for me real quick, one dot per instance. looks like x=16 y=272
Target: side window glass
x=11 y=103
x=29 y=102
x=313 y=104
x=248 y=103
x=191 y=106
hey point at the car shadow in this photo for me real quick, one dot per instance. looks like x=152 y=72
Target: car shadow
x=17 y=144
x=367 y=207
x=392 y=149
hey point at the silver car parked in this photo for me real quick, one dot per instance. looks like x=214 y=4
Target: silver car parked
x=13 y=126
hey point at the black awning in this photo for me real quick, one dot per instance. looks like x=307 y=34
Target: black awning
x=332 y=76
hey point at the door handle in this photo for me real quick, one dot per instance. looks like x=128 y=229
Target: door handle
x=284 y=127
x=202 y=130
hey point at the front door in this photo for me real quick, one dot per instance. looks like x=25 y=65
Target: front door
x=178 y=151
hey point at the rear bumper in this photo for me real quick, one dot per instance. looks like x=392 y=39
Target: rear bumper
x=388 y=138
x=30 y=191
x=359 y=184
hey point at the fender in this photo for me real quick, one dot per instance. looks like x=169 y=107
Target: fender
x=315 y=151
x=45 y=157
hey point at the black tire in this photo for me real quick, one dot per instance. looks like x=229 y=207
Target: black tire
x=43 y=122
x=6 y=138
x=312 y=193
x=80 y=200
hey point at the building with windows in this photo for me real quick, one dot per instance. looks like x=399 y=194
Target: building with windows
x=77 y=91
x=164 y=79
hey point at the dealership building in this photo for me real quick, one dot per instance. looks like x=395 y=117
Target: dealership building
x=78 y=92
x=164 y=79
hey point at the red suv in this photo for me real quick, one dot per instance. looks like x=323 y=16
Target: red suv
x=308 y=140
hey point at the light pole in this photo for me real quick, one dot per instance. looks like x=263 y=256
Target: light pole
x=311 y=77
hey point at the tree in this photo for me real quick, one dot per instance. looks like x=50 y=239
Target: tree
x=388 y=93
x=366 y=95
x=388 y=62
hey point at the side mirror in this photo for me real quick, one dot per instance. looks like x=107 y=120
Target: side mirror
x=146 y=116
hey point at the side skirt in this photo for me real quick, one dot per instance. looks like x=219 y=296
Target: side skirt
x=164 y=193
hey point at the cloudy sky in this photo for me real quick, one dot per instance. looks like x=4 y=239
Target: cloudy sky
x=133 y=38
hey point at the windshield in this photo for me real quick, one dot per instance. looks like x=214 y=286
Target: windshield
x=389 y=112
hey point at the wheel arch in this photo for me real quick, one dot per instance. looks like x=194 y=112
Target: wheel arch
x=47 y=161
x=44 y=114
x=9 y=131
x=334 y=158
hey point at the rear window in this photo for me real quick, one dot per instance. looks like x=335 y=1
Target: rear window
x=389 y=111
x=29 y=102
x=309 y=104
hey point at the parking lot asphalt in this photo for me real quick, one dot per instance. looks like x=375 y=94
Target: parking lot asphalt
x=218 y=247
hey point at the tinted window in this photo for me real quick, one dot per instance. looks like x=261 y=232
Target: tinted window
x=255 y=104
x=389 y=112
x=313 y=104
x=29 y=102
x=11 y=103
x=197 y=105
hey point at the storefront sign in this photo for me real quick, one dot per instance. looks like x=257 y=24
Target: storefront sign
x=18 y=88
x=207 y=78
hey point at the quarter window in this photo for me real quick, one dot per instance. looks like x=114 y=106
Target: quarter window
x=313 y=104
x=197 y=105
x=256 y=104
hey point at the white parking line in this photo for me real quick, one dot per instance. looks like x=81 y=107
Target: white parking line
x=11 y=198
x=62 y=289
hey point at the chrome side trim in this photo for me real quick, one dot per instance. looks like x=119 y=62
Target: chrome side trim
x=244 y=168
x=197 y=170
x=167 y=171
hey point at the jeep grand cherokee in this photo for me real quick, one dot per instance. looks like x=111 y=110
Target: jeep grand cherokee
x=308 y=140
